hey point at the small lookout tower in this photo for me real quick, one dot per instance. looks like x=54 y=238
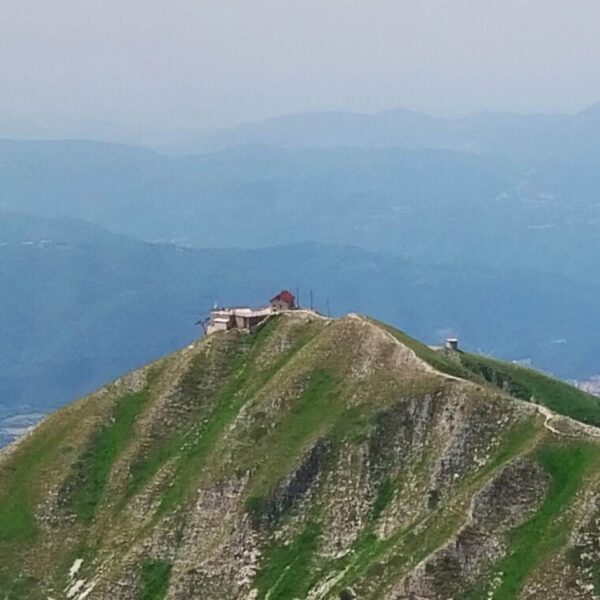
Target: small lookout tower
x=452 y=344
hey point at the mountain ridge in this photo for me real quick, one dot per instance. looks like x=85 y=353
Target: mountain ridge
x=493 y=132
x=200 y=139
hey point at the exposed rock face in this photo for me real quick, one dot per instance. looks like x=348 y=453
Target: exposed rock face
x=508 y=498
x=309 y=459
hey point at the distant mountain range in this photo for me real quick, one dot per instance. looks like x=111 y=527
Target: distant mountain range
x=435 y=206
x=524 y=136
x=534 y=137
x=80 y=306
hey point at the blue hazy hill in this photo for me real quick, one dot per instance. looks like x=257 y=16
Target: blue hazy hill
x=81 y=306
x=435 y=206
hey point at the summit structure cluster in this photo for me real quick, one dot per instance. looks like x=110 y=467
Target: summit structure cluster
x=224 y=319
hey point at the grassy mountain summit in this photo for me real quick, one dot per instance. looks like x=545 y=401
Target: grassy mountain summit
x=311 y=458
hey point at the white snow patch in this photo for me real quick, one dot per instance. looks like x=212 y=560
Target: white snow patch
x=75 y=588
x=75 y=568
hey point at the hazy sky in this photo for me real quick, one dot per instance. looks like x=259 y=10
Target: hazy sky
x=206 y=63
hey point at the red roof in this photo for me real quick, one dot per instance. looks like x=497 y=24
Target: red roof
x=284 y=296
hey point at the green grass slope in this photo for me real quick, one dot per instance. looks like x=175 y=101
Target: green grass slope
x=533 y=386
x=311 y=458
x=518 y=381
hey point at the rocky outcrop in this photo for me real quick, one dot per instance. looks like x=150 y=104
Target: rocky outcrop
x=506 y=501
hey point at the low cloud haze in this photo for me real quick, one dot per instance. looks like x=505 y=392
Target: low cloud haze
x=80 y=67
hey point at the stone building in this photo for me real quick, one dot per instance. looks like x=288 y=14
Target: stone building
x=224 y=319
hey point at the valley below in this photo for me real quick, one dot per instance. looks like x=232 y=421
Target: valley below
x=15 y=426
